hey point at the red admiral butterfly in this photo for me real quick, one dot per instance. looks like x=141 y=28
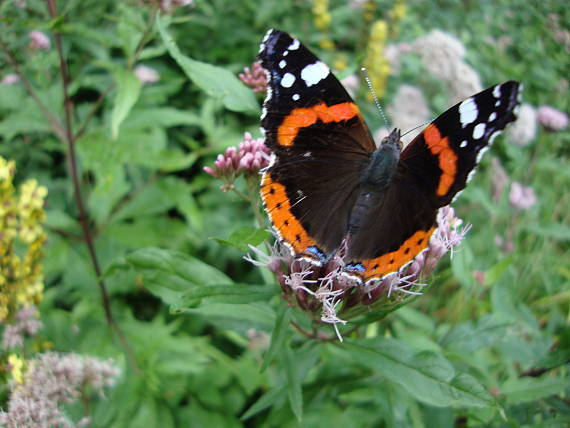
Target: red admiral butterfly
x=329 y=183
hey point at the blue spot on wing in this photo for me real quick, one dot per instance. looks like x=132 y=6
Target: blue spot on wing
x=355 y=266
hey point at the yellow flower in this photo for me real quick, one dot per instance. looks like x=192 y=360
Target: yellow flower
x=21 y=241
x=375 y=61
x=16 y=368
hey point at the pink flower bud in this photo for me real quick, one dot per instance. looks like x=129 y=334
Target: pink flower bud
x=146 y=74
x=39 y=40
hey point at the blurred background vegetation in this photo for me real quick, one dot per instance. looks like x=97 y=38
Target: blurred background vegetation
x=148 y=95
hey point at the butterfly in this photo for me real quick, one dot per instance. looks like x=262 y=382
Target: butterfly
x=329 y=184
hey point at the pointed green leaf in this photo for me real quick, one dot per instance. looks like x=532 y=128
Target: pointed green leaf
x=266 y=400
x=217 y=82
x=278 y=335
x=427 y=376
x=128 y=91
x=294 y=389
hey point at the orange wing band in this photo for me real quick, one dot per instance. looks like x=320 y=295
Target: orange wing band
x=303 y=117
x=278 y=208
x=392 y=262
x=446 y=157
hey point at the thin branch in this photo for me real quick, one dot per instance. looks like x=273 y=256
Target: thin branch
x=53 y=120
x=72 y=164
x=93 y=110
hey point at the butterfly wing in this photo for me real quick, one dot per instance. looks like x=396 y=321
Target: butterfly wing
x=320 y=143
x=432 y=170
x=443 y=157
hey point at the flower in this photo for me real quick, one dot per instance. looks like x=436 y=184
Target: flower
x=332 y=298
x=21 y=242
x=171 y=5
x=26 y=324
x=251 y=156
x=10 y=79
x=39 y=40
x=551 y=118
x=521 y=197
x=443 y=57
x=499 y=179
x=146 y=74
x=255 y=77
x=408 y=110
x=52 y=380
x=351 y=84
x=375 y=62
x=523 y=130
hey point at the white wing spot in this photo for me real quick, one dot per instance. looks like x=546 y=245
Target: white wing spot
x=314 y=73
x=492 y=116
x=288 y=80
x=294 y=46
x=463 y=144
x=498 y=103
x=467 y=112
x=296 y=97
x=285 y=53
x=479 y=131
x=481 y=153
x=497 y=91
x=282 y=63
x=307 y=154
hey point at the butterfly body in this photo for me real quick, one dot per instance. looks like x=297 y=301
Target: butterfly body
x=330 y=186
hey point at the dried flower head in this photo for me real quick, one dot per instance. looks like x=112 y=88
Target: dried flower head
x=255 y=77
x=408 y=109
x=251 y=156
x=523 y=130
x=52 y=380
x=146 y=74
x=333 y=298
x=552 y=119
x=39 y=40
x=522 y=197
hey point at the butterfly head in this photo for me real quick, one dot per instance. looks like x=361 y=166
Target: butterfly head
x=393 y=140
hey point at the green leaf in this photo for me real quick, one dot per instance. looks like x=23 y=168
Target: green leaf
x=427 y=376
x=294 y=389
x=239 y=315
x=244 y=237
x=235 y=294
x=217 y=82
x=521 y=390
x=266 y=400
x=128 y=91
x=558 y=231
x=170 y=274
x=278 y=335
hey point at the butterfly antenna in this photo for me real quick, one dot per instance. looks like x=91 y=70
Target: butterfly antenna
x=416 y=127
x=374 y=96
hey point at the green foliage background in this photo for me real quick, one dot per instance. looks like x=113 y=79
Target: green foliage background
x=194 y=312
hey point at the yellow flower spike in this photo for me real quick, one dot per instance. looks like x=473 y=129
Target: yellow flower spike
x=16 y=368
x=375 y=61
x=21 y=279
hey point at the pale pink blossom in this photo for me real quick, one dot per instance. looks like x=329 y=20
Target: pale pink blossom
x=10 y=79
x=522 y=197
x=551 y=118
x=39 y=40
x=146 y=74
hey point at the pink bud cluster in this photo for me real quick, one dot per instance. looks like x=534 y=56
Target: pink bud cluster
x=39 y=41
x=333 y=298
x=250 y=156
x=552 y=119
x=26 y=324
x=255 y=77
